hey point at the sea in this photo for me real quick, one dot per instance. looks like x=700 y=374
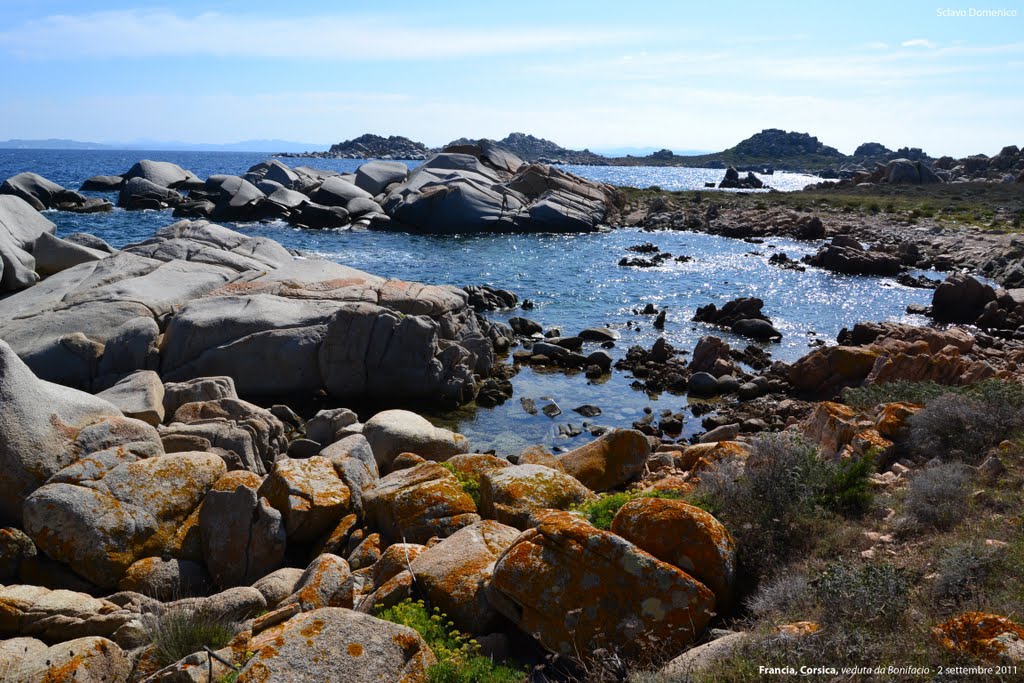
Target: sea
x=574 y=281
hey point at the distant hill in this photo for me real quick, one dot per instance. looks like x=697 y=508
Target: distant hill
x=772 y=148
x=267 y=146
x=51 y=143
x=531 y=148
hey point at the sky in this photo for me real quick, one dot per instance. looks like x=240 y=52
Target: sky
x=681 y=75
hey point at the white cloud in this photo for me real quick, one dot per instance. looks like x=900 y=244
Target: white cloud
x=919 y=42
x=138 y=33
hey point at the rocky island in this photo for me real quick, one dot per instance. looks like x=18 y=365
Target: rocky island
x=218 y=462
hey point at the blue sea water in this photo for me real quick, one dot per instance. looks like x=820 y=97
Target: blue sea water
x=573 y=279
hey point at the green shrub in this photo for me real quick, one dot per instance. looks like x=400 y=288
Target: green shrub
x=180 y=631
x=874 y=595
x=601 y=512
x=962 y=573
x=894 y=392
x=469 y=483
x=775 y=503
x=458 y=656
x=936 y=498
x=963 y=427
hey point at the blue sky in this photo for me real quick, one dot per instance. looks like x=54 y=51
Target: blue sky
x=598 y=74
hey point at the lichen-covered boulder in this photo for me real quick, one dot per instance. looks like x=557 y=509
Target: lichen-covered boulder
x=327 y=582
x=475 y=464
x=166 y=579
x=337 y=644
x=83 y=660
x=684 y=536
x=977 y=634
x=399 y=431
x=309 y=494
x=254 y=433
x=243 y=535
x=397 y=558
x=577 y=589
x=55 y=616
x=138 y=509
x=512 y=495
x=279 y=584
x=615 y=459
x=353 y=460
x=416 y=504
x=454 y=573
x=38 y=422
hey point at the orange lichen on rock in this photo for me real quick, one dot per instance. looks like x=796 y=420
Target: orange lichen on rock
x=978 y=634
x=684 y=536
x=577 y=588
x=893 y=418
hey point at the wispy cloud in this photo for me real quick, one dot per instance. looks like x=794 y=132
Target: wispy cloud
x=919 y=42
x=140 y=34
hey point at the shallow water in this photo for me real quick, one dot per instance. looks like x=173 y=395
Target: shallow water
x=574 y=281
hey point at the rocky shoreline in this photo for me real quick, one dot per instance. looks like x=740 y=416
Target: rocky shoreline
x=158 y=465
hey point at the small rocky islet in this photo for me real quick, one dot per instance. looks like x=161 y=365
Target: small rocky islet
x=161 y=462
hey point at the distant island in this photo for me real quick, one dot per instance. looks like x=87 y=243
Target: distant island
x=771 y=149
x=267 y=146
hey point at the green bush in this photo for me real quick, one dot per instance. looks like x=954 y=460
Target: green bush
x=458 y=656
x=873 y=596
x=936 y=498
x=601 y=512
x=180 y=631
x=776 y=502
x=469 y=483
x=962 y=573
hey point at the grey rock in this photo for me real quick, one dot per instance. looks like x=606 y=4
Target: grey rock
x=52 y=254
x=21 y=226
x=38 y=423
x=338 y=192
x=160 y=173
x=376 y=176
x=243 y=536
x=177 y=394
x=392 y=432
x=140 y=396
x=334 y=643
x=703 y=384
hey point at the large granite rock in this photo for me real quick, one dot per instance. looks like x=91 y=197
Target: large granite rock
x=577 y=589
x=454 y=573
x=514 y=495
x=337 y=644
x=243 y=536
x=615 y=459
x=45 y=194
x=233 y=305
x=101 y=525
x=39 y=422
x=393 y=432
x=413 y=505
x=161 y=173
x=20 y=227
x=83 y=660
x=480 y=188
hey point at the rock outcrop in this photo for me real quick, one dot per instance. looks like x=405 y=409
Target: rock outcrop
x=481 y=188
x=225 y=304
x=577 y=589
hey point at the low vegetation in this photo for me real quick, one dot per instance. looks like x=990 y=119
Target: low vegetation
x=180 y=631
x=470 y=483
x=778 y=502
x=458 y=656
x=601 y=512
